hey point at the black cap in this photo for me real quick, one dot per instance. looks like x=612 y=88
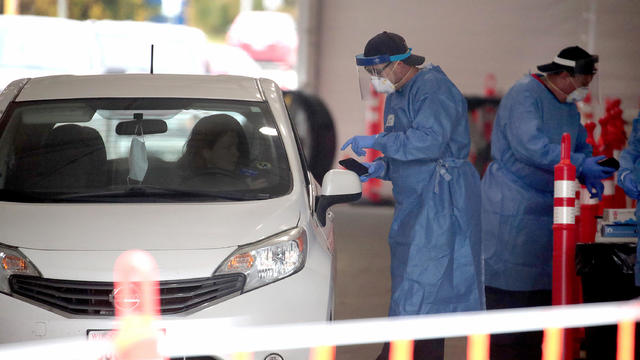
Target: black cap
x=387 y=43
x=574 y=60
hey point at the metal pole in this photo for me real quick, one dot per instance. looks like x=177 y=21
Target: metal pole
x=308 y=12
x=62 y=9
x=246 y=5
x=591 y=30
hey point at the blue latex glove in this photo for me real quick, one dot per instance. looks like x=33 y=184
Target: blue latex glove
x=595 y=188
x=360 y=142
x=376 y=169
x=591 y=171
x=628 y=184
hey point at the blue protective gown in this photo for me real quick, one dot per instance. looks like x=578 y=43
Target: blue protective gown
x=436 y=259
x=630 y=161
x=517 y=187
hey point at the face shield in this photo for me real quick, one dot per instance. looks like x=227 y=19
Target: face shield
x=371 y=70
x=586 y=76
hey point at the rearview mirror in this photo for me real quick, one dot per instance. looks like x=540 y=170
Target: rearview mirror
x=141 y=127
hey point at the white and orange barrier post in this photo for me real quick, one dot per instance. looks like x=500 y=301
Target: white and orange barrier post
x=577 y=294
x=137 y=305
x=564 y=228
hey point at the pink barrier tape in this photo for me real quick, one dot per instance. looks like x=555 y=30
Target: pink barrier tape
x=193 y=338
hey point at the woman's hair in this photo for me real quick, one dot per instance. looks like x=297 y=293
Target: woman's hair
x=205 y=134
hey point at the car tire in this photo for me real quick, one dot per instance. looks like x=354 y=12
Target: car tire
x=316 y=130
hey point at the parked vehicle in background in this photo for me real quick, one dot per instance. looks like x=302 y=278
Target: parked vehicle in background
x=315 y=128
x=223 y=59
x=252 y=241
x=40 y=45
x=269 y=36
x=125 y=47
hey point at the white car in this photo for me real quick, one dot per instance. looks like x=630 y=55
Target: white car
x=258 y=246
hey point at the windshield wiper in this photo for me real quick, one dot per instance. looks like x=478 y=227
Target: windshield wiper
x=134 y=191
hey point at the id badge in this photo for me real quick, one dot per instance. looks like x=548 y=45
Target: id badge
x=389 y=122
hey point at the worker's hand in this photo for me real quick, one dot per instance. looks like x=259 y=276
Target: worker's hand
x=359 y=143
x=592 y=171
x=376 y=169
x=595 y=188
x=628 y=184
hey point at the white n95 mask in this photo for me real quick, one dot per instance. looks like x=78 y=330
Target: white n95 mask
x=382 y=85
x=138 y=162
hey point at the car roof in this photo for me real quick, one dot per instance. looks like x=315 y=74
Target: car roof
x=225 y=87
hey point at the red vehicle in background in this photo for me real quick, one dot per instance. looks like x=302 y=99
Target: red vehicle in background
x=268 y=36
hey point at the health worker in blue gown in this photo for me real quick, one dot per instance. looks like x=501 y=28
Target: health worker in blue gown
x=629 y=177
x=518 y=185
x=436 y=264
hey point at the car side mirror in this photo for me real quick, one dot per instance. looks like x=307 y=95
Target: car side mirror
x=338 y=186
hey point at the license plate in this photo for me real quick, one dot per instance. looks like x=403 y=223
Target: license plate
x=102 y=335
x=108 y=335
x=97 y=335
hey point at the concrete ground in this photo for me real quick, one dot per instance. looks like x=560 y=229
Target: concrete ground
x=363 y=283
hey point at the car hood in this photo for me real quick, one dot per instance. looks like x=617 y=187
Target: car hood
x=96 y=227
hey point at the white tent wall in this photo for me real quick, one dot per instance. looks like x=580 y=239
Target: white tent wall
x=470 y=39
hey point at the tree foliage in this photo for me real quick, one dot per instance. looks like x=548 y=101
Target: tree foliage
x=213 y=17
x=93 y=9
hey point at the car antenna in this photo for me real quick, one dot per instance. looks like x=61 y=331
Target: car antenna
x=152 y=58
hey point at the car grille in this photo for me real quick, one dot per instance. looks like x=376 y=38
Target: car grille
x=96 y=298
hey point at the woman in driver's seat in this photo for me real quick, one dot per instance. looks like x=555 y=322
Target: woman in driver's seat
x=215 y=150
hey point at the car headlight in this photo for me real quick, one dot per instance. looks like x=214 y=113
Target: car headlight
x=12 y=261
x=268 y=260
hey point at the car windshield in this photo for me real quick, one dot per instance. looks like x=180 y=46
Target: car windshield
x=141 y=150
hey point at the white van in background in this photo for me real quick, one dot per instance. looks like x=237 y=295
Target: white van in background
x=33 y=46
x=125 y=47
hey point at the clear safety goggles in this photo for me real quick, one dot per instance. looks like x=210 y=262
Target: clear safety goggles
x=375 y=66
